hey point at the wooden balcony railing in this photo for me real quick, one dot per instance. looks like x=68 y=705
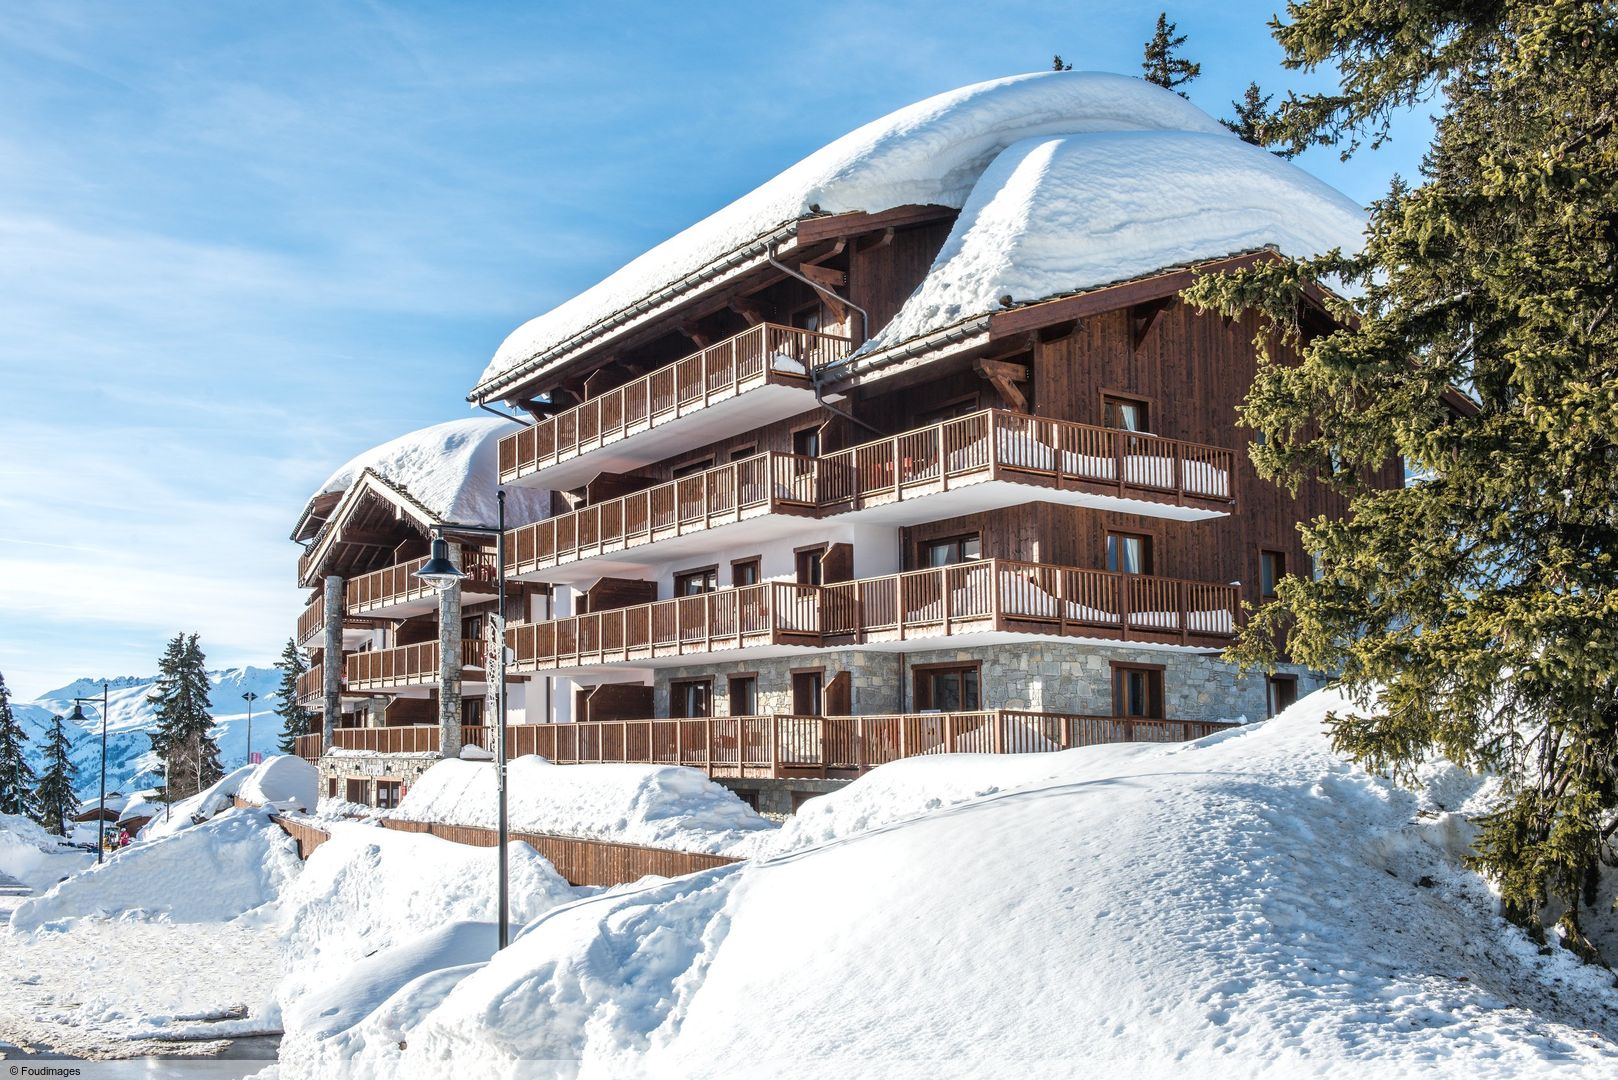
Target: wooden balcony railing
x=762 y=484
x=758 y=355
x=399 y=584
x=312 y=686
x=309 y=747
x=405 y=665
x=312 y=621
x=986 y=595
x=830 y=746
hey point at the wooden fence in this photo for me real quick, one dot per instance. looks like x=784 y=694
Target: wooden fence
x=580 y=861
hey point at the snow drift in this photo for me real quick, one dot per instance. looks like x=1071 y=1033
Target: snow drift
x=280 y=781
x=1246 y=905
x=655 y=805
x=210 y=873
x=33 y=856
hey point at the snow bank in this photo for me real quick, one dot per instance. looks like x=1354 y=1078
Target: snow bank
x=654 y=805
x=931 y=152
x=451 y=469
x=1064 y=214
x=1249 y=905
x=283 y=781
x=211 y=873
x=33 y=856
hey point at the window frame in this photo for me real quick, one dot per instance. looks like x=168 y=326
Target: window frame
x=756 y=562
x=395 y=787
x=810 y=429
x=730 y=692
x=1274 y=682
x=923 y=674
x=711 y=572
x=691 y=468
x=1146 y=405
x=819 y=551
x=1265 y=552
x=957 y=539
x=676 y=693
x=1149 y=549
x=1156 y=687
x=819 y=674
x=946 y=411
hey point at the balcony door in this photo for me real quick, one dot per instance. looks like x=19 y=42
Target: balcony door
x=1137 y=691
x=953 y=688
x=807 y=693
x=949 y=551
x=690 y=698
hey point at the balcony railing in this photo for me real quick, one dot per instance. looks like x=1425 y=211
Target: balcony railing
x=762 y=484
x=759 y=355
x=312 y=686
x=405 y=665
x=398 y=584
x=972 y=597
x=312 y=621
x=830 y=746
x=309 y=747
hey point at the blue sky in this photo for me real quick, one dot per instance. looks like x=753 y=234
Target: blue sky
x=240 y=243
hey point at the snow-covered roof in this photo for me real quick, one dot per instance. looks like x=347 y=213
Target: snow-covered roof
x=1062 y=214
x=450 y=471
x=929 y=153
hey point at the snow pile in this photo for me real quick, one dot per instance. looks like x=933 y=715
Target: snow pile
x=283 y=781
x=1249 y=905
x=1059 y=215
x=32 y=856
x=168 y=819
x=376 y=909
x=211 y=873
x=931 y=152
x=652 y=805
x=451 y=469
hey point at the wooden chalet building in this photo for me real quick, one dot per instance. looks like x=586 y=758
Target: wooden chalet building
x=914 y=448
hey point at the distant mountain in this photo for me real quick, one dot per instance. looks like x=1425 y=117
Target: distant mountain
x=130 y=765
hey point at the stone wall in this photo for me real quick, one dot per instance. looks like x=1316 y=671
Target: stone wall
x=371 y=767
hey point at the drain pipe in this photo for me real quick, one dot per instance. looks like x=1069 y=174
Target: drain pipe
x=505 y=416
x=865 y=332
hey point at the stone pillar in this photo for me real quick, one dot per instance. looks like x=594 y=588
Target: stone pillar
x=332 y=659
x=449 y=665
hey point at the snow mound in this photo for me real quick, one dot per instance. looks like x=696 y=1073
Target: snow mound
x=1248 y=905
x=1064 y=214
x=451 y=469
x=33 y=856
x=211 y=873
x=931 y=152
x=283 y=781
x=652 y=805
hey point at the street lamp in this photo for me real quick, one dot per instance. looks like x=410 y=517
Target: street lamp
x=443 y=575
x=249 y=697
x=101 y=807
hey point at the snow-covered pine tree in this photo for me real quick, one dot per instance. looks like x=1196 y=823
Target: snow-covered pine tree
x=1471 y=612
x=1254 y=122
x=16 y=778
x=54 y=796
x=295 y=719
x=1162 y=64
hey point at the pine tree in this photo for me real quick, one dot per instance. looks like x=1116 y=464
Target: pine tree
x=1255 y=122
x=1472 y=612
x=16 y=778
x=183 y=738
x=1057 y=64
x=54 y=796
x=1161 y=64
x=295 y=719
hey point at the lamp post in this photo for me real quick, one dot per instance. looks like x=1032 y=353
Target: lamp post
x=249 y=697
x=443 y=575
x=101 y=807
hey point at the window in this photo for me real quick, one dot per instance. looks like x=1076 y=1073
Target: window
x=1129 y=553
x=948 y=689
x=1125 y=414
x=472 y=712
x=743 y=692
x=696 y=582
x=745 y=572
x=1281 y=691
x=948 y=411
x=1272 y=567
x=1137 y=691
x=742 y=452
x=388 y=793
x=807 y=563
x=806 y=442
x=331 y=787
x=807 y=318
x=472 y=627
x=806 y=687
x=356 y=790
x=950 y=550
x=690 y=698
x=691 y=467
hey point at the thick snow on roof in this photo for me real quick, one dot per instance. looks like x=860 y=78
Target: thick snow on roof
x=931 y=152
x=1059 y=215
x=451 y=469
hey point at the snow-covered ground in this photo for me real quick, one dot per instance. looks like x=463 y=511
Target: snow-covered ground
x=1249 y=905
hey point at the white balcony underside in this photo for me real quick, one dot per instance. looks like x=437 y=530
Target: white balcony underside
x=702 y=425
x=965 y=496
x=424 y=605
x=916 y=643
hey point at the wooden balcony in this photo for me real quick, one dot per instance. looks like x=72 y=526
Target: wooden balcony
x=989 y=601
x=312 y=622
x=759 y=486
x=633 y=425
x=404 y=666
x=309 y=747
x=826 y=747
x=397 y=592
x=312 y=687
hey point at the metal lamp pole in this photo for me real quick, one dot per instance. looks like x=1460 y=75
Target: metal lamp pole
x=101 y=807
x=442 y=574
x=249 y=697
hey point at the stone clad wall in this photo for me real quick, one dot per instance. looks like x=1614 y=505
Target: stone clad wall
x=371 y=767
